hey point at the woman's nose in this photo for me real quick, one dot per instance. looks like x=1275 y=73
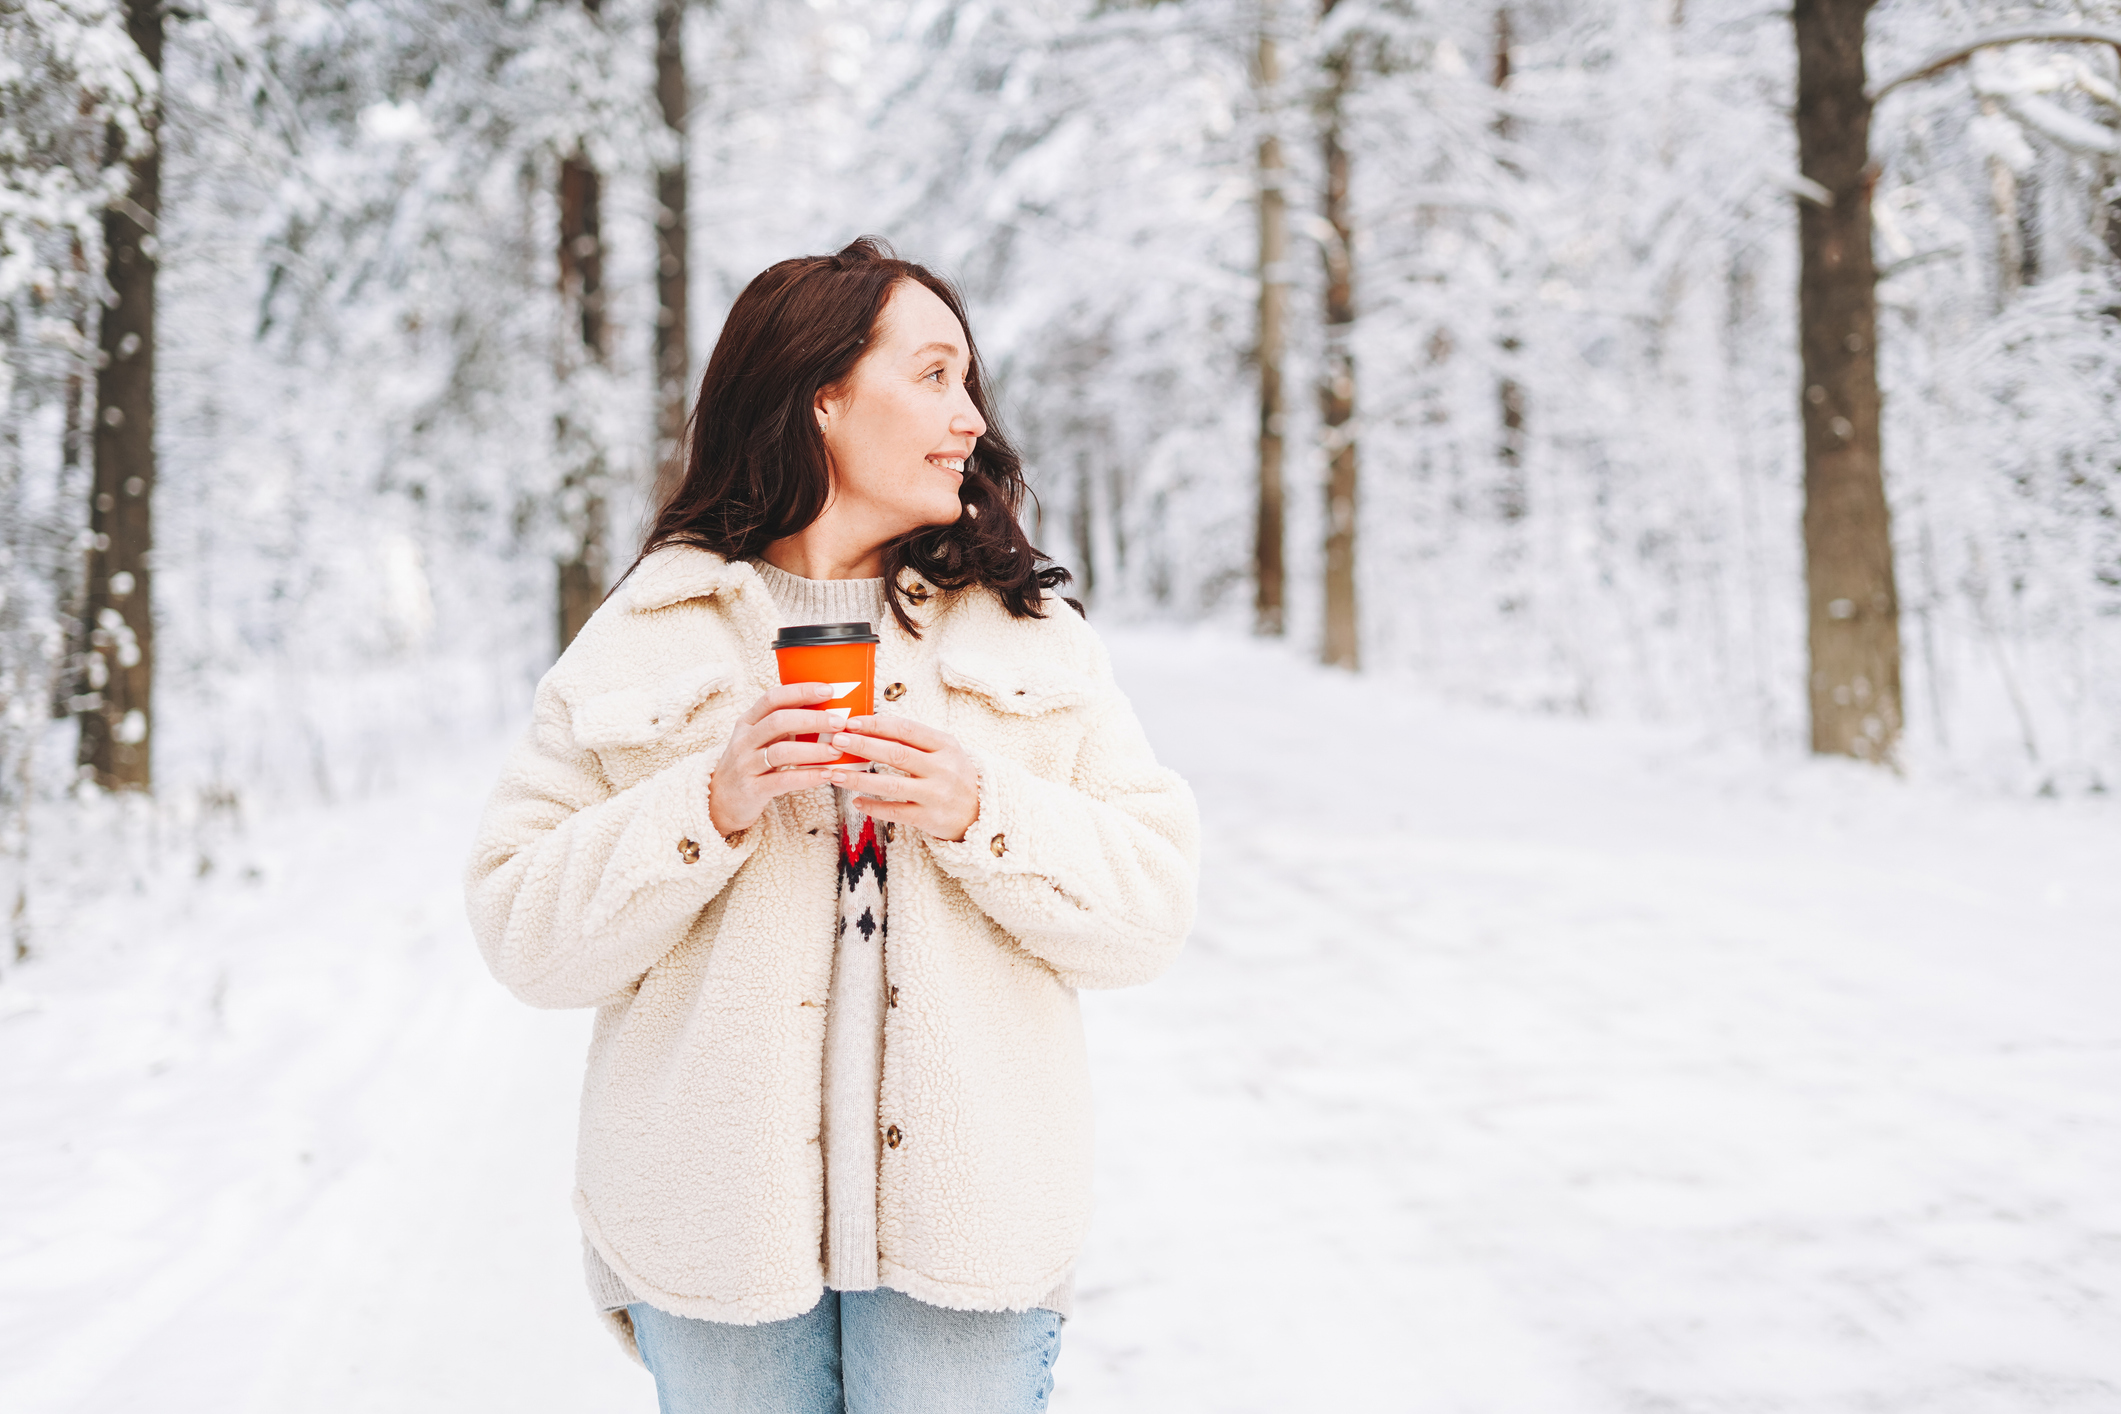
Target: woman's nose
x=968 y=421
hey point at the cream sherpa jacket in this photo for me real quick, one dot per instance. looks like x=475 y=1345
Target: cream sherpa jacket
x=598 y=880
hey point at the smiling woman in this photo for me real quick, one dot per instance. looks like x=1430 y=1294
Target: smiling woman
x=900 y=429
x=837 y=382
x=835 y=1145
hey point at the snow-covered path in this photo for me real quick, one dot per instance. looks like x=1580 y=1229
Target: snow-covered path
x=1528 y=1065
x=281 y=1144
x=1517 y=1064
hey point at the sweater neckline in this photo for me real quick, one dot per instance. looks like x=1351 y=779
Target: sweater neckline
x=803 y=600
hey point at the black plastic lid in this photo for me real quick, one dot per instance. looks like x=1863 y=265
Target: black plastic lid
x=823 y=635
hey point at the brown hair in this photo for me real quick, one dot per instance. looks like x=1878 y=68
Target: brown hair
x=756 y=468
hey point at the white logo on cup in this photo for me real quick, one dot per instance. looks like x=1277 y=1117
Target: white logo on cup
x=836 y=717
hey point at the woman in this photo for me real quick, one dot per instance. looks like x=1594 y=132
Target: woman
x=835 y=1130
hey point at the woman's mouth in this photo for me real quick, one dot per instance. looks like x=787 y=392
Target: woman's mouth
x=954 y=464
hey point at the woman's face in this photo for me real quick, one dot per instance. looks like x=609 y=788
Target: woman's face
x=901 y=426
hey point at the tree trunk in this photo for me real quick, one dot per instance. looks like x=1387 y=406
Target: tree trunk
x=1854 y=606
x=117 y=710
x=582 y=574
x=2003 y=207
x=673 y=362
x=20 y=632
x=1512 y=499
x=2110 y=231
x=70 y=586
x=1082 y=527
x=1336 y=386
x=1273 y=307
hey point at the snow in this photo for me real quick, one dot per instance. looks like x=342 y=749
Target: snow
x=1517 y=1063
x=1532 y=1064
x=276 y=1141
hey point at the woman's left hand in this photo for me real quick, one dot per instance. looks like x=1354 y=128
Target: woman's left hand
x=938 y=793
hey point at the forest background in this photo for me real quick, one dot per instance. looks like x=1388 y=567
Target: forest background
x=426 y=283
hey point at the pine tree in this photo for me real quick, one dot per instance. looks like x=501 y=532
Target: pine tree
x=1854 y=604
x=1268 y=535
x=117 y=719
x=584 y=345
x=1336 y=385
x=673 y=235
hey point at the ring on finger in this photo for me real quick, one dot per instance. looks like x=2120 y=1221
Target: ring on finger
x=767 y=755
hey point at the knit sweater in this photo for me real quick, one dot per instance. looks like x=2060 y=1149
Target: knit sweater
x=854 y=1014
x=859 y=996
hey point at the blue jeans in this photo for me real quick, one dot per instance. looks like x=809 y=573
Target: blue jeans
x=855 y=1352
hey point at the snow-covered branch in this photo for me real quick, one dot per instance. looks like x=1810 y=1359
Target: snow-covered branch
x=1956 y=54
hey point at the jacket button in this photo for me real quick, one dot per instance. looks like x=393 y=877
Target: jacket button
x=894 y=996
x=1000 y=845
x=688 y=851
x=894 y=692
x=892 y=1136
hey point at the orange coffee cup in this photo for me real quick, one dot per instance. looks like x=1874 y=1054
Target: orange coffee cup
x=842 y=656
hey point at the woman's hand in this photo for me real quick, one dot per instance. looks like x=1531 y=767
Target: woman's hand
x=761 y=762
x=939 y=791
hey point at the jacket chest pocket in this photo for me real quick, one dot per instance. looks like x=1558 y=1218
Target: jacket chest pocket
x=637 y=731
x=1033 y=714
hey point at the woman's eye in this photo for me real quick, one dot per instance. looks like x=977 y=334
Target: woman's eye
x=938 y=374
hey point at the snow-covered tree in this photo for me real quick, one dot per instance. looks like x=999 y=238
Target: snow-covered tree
x=76 y=103
x=1570 y=231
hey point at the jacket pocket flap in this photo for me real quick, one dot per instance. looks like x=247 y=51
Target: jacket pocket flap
x=1020 y=689
x=640 y=716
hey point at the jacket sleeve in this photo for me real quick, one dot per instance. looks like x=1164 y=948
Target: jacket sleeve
x=1098 y=877
x=575 y=890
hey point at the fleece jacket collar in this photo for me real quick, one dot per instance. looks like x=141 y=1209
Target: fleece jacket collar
x=677 y=573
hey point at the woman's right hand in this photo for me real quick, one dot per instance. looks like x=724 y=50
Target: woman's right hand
x=761 y=762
